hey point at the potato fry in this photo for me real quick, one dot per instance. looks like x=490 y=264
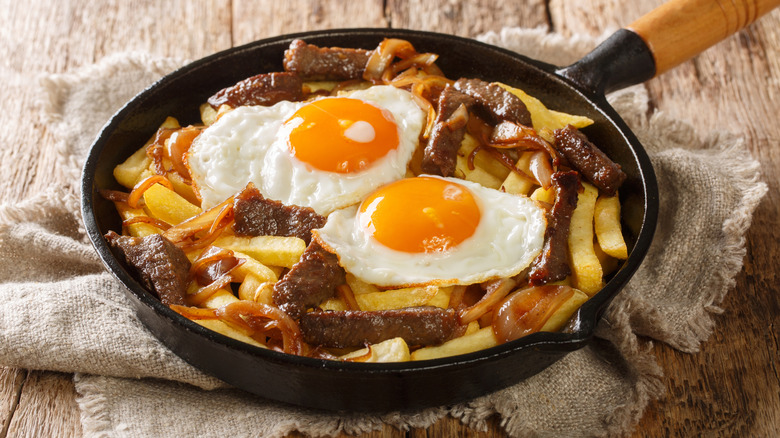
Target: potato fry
x=268 y=250
x=220 y=298
x=564 y=312
x=520 y=184
x=359 y=286
x=391 y=350
x=546 y=118
x=208 y=115
x=479 y=340
x=544 y=195
x=252 y=267
x=606 y=221
x=166 y=205
x=608 y=263
x=182 y=188
x=477 y=175
x=254 y=289
x=586 y=268
x=335 y=304
x=224 y=329
x=139 y=229
x=406 y=297
x=482 y=158
x=128 y=173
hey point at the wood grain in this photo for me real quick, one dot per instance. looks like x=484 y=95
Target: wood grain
x=730 y=388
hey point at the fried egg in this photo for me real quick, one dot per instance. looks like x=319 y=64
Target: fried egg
x=326 y=154
x=434 y=230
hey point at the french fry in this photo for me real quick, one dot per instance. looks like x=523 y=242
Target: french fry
x=473 y=327
x=208 y=115
x=220 y=298
x=608 y=263
x=477 y=174
x=606 y=222
x=564 y=312
x=406 y=297
x=546 y=118
x=482 y=158
x=224 y=329
x=479 y=340
x=254 y=289
x=128 y=173
x=359 y=286
x=544 y=195
x=183 y=188
x=252 y=267
x=167 y=205
x=139 y=229
x=520 y=184
x=336 y=304
x=391 y=350
x=585 y=265
x=268 y=250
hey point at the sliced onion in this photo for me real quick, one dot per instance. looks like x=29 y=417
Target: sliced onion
x=541 y=168
x=178 y=145
x=139 y=189
x=255 y=316
x=218 y=214
x=345 y=293
x=195 y=313
x=213 y=263
x=527 y=311
x=114 y=195
x=146 y=220
x=496 y=292
x=208 y=291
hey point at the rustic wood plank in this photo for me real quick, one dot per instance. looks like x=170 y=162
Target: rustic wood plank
x=11 y=381
x=47 y=407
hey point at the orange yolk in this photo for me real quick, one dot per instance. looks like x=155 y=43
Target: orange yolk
x=420 y=215
x=341 y=135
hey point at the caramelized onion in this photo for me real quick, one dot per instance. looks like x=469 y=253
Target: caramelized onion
x=139 y=189
x=156 y=149
x=147 y=220
x=541 y=168
x=194 y=313
x=113 y=195
x=220 y=213
x=206 y=292
x=213 y=263
x=256 y=316
x=380 y=59
x=178 y=145
x=527 y=311
x=456 y=297
x=363 y=357
x=496 y=291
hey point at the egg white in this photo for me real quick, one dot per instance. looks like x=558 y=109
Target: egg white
x=508 y=238
x=250 y=144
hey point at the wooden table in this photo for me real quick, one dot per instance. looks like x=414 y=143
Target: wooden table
x=730 y=388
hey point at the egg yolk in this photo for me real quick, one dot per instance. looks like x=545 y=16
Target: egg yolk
x=341 y=135
x=420 y=214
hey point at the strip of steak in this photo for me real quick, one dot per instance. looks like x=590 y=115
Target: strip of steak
x=355 y=328
x=592 y=163
x=310 y=281
x=161 y=266
x=496 y=103
x=553 y=263
x=441 y=152
x=257 y=216
x=325 y=63
x=264 y=89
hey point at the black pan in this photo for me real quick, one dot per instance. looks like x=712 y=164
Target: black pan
x=623 y=60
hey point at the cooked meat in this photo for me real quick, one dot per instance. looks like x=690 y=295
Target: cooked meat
x=310 y=281
x=355 y=328
x=494 y=102
x=584 y=156
x=325 y=63
x=553 y=263
x=264 y=89
x=160 y=265
x=441 y=152
x=258 y=216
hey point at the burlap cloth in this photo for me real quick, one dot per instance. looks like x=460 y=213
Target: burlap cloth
x=60 y=310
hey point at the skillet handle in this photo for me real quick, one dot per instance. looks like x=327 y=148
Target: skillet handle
x=662 y=39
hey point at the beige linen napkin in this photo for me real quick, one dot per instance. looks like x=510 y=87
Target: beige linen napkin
x=59 y=309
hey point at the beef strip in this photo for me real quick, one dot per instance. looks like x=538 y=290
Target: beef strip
x=325 y=63
x=355 y=328
x=441 y=152
x=161 y=266
x=264 y=89
x=258 y=216
x=553 y=263
x=310 y=281
x=494 y=102
x=584 y=156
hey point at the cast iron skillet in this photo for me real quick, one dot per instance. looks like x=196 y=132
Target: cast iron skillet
x=623 y=60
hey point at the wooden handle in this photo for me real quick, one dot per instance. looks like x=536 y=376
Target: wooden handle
x=681 y=29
